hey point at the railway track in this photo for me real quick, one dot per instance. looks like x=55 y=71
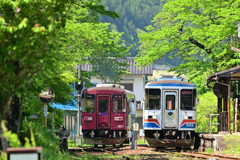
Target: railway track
x=200 y=155
x=159 y=154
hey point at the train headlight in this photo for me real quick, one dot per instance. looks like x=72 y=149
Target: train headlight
x=87 y=118
x=154 y=117
x=185 y=117
x=118 y=118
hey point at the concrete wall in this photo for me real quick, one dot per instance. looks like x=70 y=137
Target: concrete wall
x=138 y=84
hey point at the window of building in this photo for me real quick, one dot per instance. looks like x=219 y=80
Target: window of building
x=138 y=105
x=69 y=122
x=127 y=86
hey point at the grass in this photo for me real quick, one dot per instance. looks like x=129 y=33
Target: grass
x=232 y=144
x=71 y=143
x=210 y=150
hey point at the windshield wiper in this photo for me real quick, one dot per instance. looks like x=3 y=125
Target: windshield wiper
x=91 y=112
x=155 y=110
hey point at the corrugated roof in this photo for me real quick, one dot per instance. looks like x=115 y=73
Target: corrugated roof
x=147 y=70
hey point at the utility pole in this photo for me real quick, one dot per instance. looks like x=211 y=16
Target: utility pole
x=79 y=105
x=133 y=113
x=78 y=87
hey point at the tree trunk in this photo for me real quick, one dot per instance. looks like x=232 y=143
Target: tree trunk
x=12 y=116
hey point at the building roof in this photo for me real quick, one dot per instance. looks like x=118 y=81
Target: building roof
x=232 y=73
x=147 y=70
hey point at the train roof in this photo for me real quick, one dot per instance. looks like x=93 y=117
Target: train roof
x=106 y=89
x=173 y=83
x=130 y=94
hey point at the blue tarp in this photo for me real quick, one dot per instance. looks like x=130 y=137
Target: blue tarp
x=68 y=106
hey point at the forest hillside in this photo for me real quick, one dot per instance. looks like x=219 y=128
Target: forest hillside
x=134 y=17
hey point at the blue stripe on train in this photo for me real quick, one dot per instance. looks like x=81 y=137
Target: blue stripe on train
x=151 y=125
x=172 y=84
x=189 y=125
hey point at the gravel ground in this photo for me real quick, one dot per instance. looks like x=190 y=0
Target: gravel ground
x=144 y=152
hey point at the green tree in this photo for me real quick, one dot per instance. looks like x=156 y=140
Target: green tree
x=134 y=16
x=197 y=31
x=30 y=60
x=91 y=42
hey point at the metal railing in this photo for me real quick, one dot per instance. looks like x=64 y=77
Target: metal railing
x=210 y=122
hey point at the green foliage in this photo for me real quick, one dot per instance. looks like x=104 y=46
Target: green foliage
x=199 y=32
x=36 y=106
x=177 y=154
x=32 y=59
x=26 y=34
x=207 y=105
x=232 y=144
x=11 y=137
x=46 y=139
x=93 y=43
x=13 y=140
x=38 y=52
x=210 y=150
x=134 y=16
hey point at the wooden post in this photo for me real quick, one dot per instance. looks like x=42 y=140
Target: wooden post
x=45 y=113
x=229 y=129
x=234 y=104
x=45 y=121
x=235 y=115
x=219 y=111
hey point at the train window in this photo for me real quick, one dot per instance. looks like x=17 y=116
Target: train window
x=170 y=102
x=88 y=103
x=117 y=103
x=187 y=101
x=152 y=98
x=194 y=97
x=103 y=103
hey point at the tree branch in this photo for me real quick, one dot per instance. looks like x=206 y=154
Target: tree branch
x=193 y=41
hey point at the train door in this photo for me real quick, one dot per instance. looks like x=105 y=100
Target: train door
x=170 y=109
x=103 y=106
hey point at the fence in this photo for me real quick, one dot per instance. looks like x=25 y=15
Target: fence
x=72 y=137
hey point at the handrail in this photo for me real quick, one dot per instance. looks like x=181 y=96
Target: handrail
x=210 y=122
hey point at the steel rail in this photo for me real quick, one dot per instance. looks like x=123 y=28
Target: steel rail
x=205 y=155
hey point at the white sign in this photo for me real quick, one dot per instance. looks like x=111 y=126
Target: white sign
x=24 y=156
x=135 y=127
x=34 y=115
x=45 y=110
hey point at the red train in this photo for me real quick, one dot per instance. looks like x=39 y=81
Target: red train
x=105 y=114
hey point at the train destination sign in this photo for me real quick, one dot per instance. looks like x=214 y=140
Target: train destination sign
x=47 y=96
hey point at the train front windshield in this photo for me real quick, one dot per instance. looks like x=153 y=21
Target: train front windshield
x=188 y=98
x=88 y=103
x=152 y=98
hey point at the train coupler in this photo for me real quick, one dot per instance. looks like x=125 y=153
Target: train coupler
x=156 y=135
x=92 y=134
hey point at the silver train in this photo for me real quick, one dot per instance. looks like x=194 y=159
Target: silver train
x=169 y=113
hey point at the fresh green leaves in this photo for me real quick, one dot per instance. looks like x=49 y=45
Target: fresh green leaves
x=197 y=31
x=86 y=41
